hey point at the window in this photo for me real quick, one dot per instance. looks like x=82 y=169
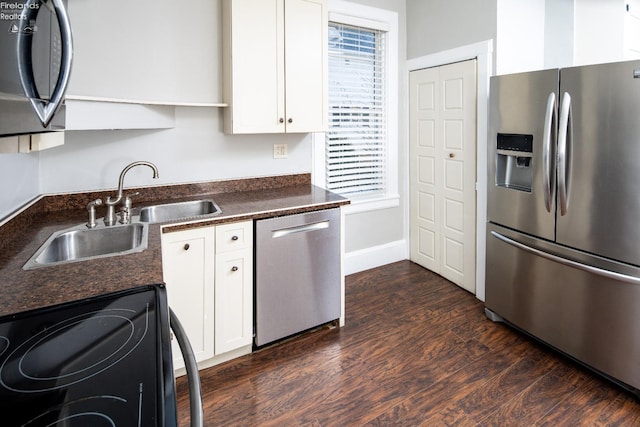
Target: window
x=357 y=156
x=357 y=134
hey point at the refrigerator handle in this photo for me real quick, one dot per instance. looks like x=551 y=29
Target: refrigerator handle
x=549 y=126
x=564 y=141
x=568 y=262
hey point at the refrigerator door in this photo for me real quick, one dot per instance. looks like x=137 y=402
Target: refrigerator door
x=602 y=151
x=522 y=141
x=583 y=305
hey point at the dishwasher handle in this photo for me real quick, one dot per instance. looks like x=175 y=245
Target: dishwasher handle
x=283 y=232
x=193 y=377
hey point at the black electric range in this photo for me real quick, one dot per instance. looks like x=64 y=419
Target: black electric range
x=104 y=361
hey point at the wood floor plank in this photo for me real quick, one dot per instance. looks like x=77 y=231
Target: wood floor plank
x=595 y=403
x=442 y=396
x=416 y=350
x=507 y=385
x=534 y=402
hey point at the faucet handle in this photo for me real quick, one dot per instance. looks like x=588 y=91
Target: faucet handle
x=137 y=193
x=125 y=210
x=126 y=202
x=91 y=208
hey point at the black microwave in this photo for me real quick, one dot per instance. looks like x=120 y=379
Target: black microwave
x=36 y=51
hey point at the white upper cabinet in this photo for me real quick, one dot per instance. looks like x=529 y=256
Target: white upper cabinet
x=146 y=51
x=275 y=66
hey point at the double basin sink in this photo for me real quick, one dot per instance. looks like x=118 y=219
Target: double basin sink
x=80 y=243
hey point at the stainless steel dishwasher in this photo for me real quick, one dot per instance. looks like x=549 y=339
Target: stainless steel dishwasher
x=298 y=274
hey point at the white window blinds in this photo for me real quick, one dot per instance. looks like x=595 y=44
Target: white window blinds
x=356 y=141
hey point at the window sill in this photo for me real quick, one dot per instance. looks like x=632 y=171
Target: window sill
x=368 y=204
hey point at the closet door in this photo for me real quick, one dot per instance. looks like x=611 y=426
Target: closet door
x=443 y=171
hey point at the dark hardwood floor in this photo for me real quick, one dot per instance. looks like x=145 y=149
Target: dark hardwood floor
x=415 y=350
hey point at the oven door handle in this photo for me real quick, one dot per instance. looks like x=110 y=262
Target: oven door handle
x=193 y=378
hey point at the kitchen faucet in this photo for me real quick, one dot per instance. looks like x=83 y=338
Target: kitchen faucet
x=110 y=216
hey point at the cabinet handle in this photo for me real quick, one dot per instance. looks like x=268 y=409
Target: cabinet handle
x=234 y=268
x=234 y=237
x=186 y=246
x=281 y=120
x=290 y=120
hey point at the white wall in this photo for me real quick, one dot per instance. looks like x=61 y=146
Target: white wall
x=439 y=25
x=599 y=31
x=19 y=181
x=195 y=150
x=137 y=39
x=559 y=33
x=520 y=36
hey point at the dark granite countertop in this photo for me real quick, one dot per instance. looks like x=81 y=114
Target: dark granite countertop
x=20 y=237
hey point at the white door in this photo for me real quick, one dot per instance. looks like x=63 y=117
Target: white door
x=442 y=171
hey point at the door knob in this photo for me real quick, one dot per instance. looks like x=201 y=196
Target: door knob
x=186 y=246
x=451 y=155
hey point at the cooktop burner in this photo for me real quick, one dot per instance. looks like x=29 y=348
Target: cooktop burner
x=91 y=363
x=71 y=351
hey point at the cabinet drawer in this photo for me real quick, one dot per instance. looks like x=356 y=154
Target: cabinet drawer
x=234 y=236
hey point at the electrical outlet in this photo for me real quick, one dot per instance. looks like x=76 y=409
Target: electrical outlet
x=279 y=151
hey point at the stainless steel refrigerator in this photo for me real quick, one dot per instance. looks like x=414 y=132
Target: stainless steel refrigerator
x=563 y=236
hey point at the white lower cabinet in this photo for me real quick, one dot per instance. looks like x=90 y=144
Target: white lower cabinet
x=188 y=270
x=234 y=286
x=209 y=276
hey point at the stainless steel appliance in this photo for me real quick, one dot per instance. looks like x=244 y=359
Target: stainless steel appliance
x=102 y=361
x=563 y=238
x=35 y=65
x=298 y=274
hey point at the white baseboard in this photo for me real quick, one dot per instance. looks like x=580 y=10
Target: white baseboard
x=375 y=256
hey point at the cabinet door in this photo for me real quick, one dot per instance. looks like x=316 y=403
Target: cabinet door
x=306 y=28
x=234 y=286
x=275 y=65
x=253 y=72
x=188 y=269
x=234 y=300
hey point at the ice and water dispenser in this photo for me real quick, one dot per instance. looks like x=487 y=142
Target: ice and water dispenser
x=514 y=161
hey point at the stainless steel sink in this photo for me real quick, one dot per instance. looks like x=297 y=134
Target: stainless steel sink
x=80 y=243
x=177 y=211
